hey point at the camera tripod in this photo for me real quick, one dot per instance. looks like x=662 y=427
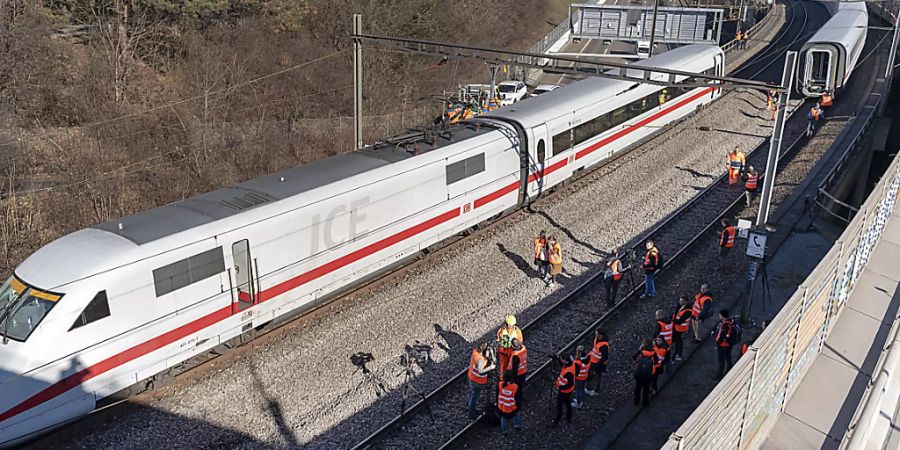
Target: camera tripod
x=409 y=390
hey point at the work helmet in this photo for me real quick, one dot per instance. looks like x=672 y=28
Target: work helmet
x=511 y=320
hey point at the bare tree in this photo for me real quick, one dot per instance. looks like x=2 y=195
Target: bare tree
x=121 y=33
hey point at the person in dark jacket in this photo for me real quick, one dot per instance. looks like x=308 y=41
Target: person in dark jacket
x=644 y=362
x=724 y=332
x=565 y=383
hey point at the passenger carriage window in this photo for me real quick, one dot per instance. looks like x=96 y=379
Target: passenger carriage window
x=562 y=142
x=541 y=151
x=97 y=309
x=466 y=168
x=179 y=274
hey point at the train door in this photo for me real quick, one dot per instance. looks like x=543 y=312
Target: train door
x=719 y=60
x=244 y=280
x=819 y=70
x=537 y=160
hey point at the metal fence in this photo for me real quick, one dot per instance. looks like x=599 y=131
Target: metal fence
x=742 y=409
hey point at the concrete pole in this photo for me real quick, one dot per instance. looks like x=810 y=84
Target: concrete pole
x=787 y=81
x=890 y=66
x=739 y=21
x=357 y=82
x=653 y=27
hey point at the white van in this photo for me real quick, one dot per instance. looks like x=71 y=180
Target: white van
x=643 y=49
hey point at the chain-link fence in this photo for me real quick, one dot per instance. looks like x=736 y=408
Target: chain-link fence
x=744 y=407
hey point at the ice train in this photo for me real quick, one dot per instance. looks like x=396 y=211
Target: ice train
x=104 y=308
x=828 y=58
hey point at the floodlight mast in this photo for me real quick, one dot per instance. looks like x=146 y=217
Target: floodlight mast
x=552 y=63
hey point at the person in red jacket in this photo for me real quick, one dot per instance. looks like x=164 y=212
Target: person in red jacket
x=725 y=334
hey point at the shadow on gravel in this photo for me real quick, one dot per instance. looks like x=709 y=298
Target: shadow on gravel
x=274 y=408
x=567 y=232
x=520 y=262
x=695 y=173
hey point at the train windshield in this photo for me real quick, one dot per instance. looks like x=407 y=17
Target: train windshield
x=22 y=308
x=819 y=68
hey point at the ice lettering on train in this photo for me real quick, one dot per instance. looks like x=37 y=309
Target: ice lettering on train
x=340 y=225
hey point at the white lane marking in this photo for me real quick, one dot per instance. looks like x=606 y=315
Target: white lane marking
x=563 y=76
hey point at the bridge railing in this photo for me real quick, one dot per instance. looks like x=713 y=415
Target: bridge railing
x=742 y=409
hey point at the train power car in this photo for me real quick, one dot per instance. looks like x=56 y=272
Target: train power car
x=107 y=307
x=828 y=58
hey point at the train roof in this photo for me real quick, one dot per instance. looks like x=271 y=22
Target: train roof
x=537 y=110
x=850 y=20
x=153 y=224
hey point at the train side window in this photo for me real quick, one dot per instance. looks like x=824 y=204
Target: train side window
x=97 y=309
x=562 y=142
x=185 y=272
x=541 y=151
x=466 y=168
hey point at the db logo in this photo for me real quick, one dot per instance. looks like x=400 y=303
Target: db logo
x=467 y=207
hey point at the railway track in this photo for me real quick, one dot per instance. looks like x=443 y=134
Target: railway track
x=569 y=320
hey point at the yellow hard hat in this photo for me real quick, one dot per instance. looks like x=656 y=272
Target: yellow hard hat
x=511 y=320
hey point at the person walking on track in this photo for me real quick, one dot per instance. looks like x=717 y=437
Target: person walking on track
x=751 y=181
x=565 y=383
x=507 y=402
x=726 y=243
x=727 y=336
x=505 y=334
x=681 y=322
x=599 y=361
x=612 y=276
x=480 y=365
x=813 y=117
x=645 y=360
x=734 y=165
x=652 y=264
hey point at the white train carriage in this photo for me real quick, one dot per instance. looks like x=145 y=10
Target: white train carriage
x=102 y=309
x=828 y=58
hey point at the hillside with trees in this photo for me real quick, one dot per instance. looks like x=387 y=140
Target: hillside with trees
x=108 y=107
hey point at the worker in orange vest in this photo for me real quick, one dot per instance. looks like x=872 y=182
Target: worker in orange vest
x=826 y=100
x=645 y=363
x=565 y=382
x=681 y=322
x=480 y=365
x=507 y=402
x=652 y=264
x=542 y=255
x=664 y=327
x=518 y=364
x=582 y=371
x=813 y=117
x=726 y=238
x=505 y=334
x=735 y=164
x=751 y=182
x=726 y=335
x=599 y=360
x=701 y=310
x=612 y=276
x=661 y=348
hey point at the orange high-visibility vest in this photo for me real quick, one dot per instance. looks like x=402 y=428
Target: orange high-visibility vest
x=815 y=113
x=657 y=363
x=699 y=302
x=596 y=355
x=561 y=381
x=584 y=368
x=752 y=181
x=681 y=318
x=505 y=336
x=523 y=361
x=727 y=240
x=733 y=161
x=506 y=397
x=473 y=368
x=616 y=273
x=665 y=330
x=540 y=249
x=826 y=100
